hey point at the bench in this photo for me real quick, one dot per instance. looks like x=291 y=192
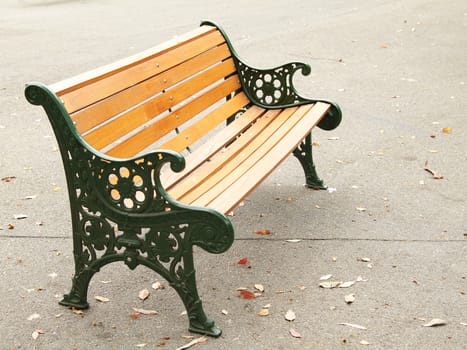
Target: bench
x=159 y=147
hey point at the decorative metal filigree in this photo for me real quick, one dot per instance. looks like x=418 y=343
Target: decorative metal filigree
x=121 y=212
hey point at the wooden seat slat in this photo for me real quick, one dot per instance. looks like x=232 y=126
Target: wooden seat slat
x=90 y=117
x=201 y=127
x=212 y=146
x=127 y=122
x=229 y=197
x=100 y=89
x=214 y=183
x=147 y=136
x=224 y=161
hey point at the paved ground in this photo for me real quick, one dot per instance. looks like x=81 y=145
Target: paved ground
x=398 y=69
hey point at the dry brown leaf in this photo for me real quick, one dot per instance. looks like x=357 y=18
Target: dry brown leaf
x=134 y=315
x=263 y=232
x=434 y=174
x=447 y=130
x=145 y=312
x=77 y=311
x=435 y=322
x=102 y=299
x=364 y=259
x=290 y=315
x=294 y=333
x=143 y=294
x=263 y=312
x=200 y=340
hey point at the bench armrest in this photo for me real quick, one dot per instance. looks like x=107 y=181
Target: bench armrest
x=273 y=88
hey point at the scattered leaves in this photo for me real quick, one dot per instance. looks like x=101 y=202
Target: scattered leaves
x=145 y=312
x=435 y=322
x=263 y=232
x=294 y=333
x=200 y=340
x=434 y=174
x=143 y=294
x=290 y=315
x=242 y=261
x=246 y=294
x=353 y=325
x=102 y=299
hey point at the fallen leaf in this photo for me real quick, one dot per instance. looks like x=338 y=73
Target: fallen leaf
x=102 y=299
x=360 y=279
x=30 y=197
x=267 y=306
x=8 y=178
x=134 y=315
x=20 y=216
x=435 y=175
x=57 y=189
x=364 y=259
x=364 y=342
x=200 y=340
x=263 y=232
x=316 y=143
x=246 y=294
x=325 y=277
x=447 y=130
x=77 y=311
x=142 y=345
x=224 y=312
x=435 y=322
x=290 y=315
x=263 y=312
x=346 y=284
x=143 y=294
x=259 y=287
x=145 y=312
x=11 y=226
x=293 y=240
x=352 y=325
x=34 y=317
x=157 y=285
x=36 y=333
x=361 y=209
x=294 y=333
x=330 y=284
x=350 y=298
x=242 y=261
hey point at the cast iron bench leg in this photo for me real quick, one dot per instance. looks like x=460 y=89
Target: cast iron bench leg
x=304 y=154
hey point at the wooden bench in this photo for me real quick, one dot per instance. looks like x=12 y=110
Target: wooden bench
x=191 y=103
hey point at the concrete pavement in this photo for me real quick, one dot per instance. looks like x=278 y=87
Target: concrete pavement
x=397 y=68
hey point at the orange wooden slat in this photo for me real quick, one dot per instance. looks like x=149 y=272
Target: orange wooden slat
x=201 y=127
x=253 y=148
x=119 y=127
x=213 y=171
x=235 y=193
x=100 y=89
x=88 y=118
x=165 y=125
x=213 y=145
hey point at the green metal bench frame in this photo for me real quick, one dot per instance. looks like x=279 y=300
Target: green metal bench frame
x=157 y=232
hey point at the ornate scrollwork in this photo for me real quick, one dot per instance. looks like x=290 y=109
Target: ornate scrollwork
x=272 y=87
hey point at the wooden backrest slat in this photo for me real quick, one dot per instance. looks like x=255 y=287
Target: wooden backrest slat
x=110 y=84
x=103 y=110
x=165 y=125
x=201 y=127
x=127 y=122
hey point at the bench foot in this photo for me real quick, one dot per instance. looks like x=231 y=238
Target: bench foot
x=77 y=298
x=303 y=153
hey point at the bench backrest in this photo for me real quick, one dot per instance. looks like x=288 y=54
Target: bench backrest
x=166 y=96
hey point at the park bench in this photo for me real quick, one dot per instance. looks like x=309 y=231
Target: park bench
x=159 y=147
